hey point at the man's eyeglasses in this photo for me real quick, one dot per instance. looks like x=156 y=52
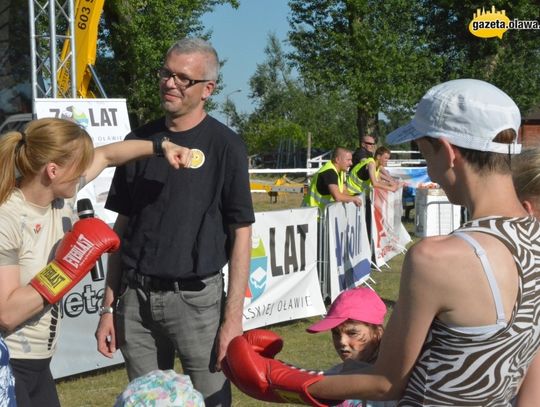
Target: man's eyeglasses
x=369 y=143
x=180 y=80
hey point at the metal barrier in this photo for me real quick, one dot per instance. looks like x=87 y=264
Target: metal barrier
x=446 y=220
x=323 y=252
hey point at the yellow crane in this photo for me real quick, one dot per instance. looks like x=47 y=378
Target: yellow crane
x=45 y=63
x=87 y=15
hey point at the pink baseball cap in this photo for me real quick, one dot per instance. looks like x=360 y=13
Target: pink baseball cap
x=361 y=304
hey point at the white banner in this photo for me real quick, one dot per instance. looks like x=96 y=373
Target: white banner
x=283 y=281
x=350 y=254
x=411 y=176
x=106 y=120
x=388 y=233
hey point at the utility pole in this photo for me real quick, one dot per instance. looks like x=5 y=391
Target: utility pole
x=227 y=111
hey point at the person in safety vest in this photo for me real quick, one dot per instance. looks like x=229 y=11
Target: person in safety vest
x=382 y=155
x=366 y=173
x=366 y=149
x=328 y=184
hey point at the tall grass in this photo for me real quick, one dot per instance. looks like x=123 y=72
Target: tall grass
x=100 y=388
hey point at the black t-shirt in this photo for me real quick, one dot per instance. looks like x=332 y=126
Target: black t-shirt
x=359 y=155
x=324 y=179
x=178 y=219
x=363 y=173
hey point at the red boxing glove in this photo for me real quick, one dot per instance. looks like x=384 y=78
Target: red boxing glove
x=264 y=378
x=264 y=342
x=75 y=256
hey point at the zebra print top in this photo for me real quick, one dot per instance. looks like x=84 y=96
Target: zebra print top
x=484 y=367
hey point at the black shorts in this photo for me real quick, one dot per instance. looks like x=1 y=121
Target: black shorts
x=34 y=384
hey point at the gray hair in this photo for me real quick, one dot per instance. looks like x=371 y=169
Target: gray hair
x=198 y=46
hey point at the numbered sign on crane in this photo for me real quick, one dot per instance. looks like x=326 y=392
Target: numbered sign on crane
x=87 y=15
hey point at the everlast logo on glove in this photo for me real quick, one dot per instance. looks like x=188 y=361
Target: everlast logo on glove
x=78 y=251
x=53 y=277
x=75 y=256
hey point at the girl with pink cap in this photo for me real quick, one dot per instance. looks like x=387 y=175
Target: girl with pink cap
x=356 y=320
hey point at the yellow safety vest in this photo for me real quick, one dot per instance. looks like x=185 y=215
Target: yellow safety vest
x=355 y=184
x=314 y=197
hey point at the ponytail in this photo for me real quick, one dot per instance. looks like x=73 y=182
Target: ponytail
x=11 y=146
x=45 y=140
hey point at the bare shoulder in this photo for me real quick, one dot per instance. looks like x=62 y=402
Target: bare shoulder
x=433 y=259
x=447 y=275
x=435 y=249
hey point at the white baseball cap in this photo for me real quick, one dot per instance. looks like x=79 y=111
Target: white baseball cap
x=468 y=113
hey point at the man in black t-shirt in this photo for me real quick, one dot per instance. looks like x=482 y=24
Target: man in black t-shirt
x=178 y=229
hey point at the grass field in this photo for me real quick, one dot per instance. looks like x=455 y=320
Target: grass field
x=100 y=388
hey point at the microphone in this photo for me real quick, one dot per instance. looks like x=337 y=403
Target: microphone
x=86 y=210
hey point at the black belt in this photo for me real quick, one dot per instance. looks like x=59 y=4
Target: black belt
x=151 y=283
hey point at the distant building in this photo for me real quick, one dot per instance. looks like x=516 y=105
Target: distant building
x=530 y=128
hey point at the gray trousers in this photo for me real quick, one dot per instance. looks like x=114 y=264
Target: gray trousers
x=152 y=325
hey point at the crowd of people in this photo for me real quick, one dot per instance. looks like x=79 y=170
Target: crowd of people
x=465 y=330
x=348 y=175
x=352 y=177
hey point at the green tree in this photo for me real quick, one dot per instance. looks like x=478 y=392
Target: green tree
x=267 y=126
x=134 y=37
x=288 y=109
x=368 y=49
x=15 y=70
x=509 y=63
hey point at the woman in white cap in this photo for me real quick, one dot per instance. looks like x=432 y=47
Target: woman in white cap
x=466 y=325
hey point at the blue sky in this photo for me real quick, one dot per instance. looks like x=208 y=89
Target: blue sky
x=240 y=36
